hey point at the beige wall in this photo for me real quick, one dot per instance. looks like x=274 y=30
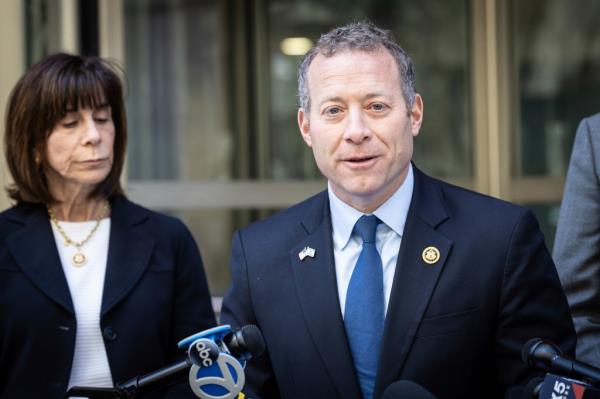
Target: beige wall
x=12 y=47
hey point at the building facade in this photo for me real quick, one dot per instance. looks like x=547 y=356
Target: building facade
x=212 y=106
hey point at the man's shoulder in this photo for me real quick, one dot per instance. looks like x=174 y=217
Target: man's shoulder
x=460 y=201
x=282 y=221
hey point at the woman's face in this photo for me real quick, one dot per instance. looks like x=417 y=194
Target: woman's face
x=79 y=149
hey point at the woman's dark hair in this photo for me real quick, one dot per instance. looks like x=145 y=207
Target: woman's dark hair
x=42 y=97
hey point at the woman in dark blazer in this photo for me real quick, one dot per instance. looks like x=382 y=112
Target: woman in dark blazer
x=94 y=289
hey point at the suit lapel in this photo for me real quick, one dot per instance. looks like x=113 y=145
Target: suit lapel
x=129 y=252
x=317 y=291
x=414 y=280
x=34 y=249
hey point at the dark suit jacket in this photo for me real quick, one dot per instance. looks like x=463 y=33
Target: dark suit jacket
x=155 y=293
x=455 y=327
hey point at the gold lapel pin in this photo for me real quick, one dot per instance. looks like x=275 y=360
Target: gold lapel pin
x=306 y=251
x=431 y=255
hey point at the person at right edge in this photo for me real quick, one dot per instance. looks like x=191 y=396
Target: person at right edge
x=388 y=274
x=577 y=244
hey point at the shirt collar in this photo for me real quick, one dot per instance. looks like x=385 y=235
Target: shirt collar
x=392 y=212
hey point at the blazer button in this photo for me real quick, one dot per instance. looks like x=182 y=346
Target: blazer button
x=109 y=334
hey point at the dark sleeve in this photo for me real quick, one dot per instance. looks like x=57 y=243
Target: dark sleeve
x=192 y=308
x=577 y=244
x=238 y=311
x=532 y=304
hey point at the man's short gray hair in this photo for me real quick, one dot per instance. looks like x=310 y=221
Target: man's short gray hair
x=363 y=36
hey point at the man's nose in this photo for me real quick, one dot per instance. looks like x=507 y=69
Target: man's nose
x=357 y=127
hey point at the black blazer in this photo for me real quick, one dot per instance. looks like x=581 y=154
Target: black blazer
x=155 y=293
x=455 y=327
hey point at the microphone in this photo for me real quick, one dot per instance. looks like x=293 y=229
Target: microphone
x=223 y=377
x=547 y=356
x=245 y=342
x=405 y=389
x=214 y=353
x=533 y=388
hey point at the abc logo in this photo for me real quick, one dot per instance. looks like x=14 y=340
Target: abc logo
x=223 y=379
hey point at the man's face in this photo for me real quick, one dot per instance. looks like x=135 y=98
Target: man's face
x=358 y=126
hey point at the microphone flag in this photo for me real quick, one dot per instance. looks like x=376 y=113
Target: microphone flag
x=557 y=387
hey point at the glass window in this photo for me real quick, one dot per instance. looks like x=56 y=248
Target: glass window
x=42 y=30
x=556 y=56
x=178 y=111
x=177 y=105
x=557 y=59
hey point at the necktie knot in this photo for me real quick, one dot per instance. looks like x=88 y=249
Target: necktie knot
x=366 y=228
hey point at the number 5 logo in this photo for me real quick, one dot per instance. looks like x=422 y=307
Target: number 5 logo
x=226 y=382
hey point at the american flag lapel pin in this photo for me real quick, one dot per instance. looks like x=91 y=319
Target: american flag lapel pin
x=306 y=251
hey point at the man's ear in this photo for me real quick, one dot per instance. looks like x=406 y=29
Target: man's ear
x=304 y=126
x=416 y=115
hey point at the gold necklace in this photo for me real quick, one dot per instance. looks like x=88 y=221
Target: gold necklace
x=79 y=259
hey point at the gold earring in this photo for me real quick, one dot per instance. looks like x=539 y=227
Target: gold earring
x=37 y=159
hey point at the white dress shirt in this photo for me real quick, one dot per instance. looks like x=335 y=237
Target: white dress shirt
x=347 y=247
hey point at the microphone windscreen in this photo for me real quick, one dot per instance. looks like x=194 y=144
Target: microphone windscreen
x=245 y=342
x=405 y=389
x=540 y=354
x=527 y=348
x=253 y=339
x=533 y=388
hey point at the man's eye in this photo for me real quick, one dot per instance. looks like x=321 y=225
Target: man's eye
x=333 y=111
x=378 y=106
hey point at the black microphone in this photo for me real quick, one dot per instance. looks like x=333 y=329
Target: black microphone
x=547 y=356
x=405 y=389
x=533 y=388
x=245 y=343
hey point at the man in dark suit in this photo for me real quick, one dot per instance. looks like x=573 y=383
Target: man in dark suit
x=388 y=274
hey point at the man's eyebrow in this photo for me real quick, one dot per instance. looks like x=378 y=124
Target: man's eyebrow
x=334 y=99
x=373 y=95
x=340 y=99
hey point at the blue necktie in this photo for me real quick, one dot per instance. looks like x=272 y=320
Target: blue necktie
x=364 y=312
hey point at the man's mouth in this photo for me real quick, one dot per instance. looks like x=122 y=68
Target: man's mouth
x=360 y=159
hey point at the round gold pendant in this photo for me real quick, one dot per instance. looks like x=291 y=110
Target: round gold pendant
x=79 y=259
